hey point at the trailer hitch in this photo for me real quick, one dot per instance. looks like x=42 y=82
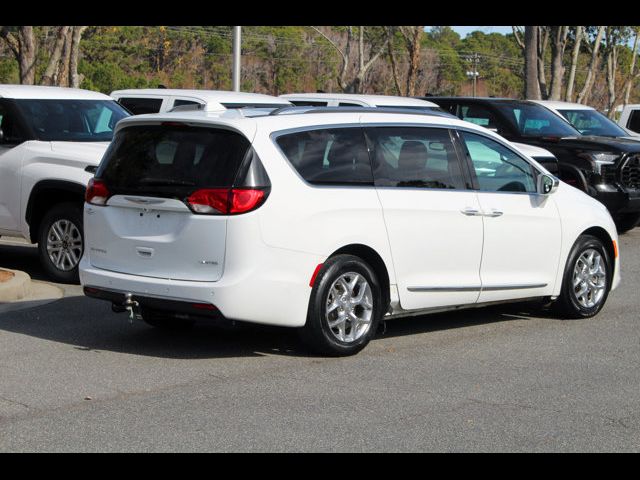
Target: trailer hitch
x=133 y=307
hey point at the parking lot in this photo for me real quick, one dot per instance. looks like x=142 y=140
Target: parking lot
x=76 y=377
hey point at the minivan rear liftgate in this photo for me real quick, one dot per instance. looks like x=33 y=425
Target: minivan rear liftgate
x=160 y=201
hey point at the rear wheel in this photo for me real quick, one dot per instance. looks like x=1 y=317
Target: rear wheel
x=60 y=242
x=627 y=221
x=345 y=307
x=587 y=279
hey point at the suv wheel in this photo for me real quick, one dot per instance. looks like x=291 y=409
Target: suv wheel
x=345 y=307
x=60 y=242
x=587 y=279
x=627 y=221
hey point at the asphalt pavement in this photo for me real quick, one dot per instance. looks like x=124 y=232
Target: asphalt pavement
x=76 y=377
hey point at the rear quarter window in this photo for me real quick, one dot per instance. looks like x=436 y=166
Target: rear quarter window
x=336 y=156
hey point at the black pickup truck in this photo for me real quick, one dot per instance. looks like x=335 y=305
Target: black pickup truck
x=606 y=168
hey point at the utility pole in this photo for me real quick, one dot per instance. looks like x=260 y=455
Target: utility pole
x=473 y=73
x=236 y=58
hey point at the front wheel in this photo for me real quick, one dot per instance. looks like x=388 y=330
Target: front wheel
x=587 y=279
x=60 y=242
x=345 y=307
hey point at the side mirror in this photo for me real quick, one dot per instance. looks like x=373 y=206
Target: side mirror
x=547 y=184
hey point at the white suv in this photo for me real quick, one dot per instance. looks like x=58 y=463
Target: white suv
x=51 y=141
x=157 y=100
x=329 y=220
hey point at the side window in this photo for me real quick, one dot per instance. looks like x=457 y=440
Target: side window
x=11 y=133
x=139 y=106
x=478 y=115
x=414 y=157
x=348 y=104
x=634 y=121
x=180 y=103
x=497 y=168
x=336 y=156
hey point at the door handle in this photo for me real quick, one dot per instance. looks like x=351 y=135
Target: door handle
x=494 y=213
x=470 y=212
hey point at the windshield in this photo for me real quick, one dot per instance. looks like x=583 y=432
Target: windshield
x=72 y=120
x=592 y=122
x=533 y=120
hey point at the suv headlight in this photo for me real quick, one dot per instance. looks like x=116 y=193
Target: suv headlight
x=601 y=159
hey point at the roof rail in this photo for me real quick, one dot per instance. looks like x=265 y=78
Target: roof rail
x=397 y=110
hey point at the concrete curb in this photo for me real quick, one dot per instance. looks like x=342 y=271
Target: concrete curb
x=16 y=288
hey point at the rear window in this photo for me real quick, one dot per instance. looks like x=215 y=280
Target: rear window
x=140 y=106
x=336 y=156
x=173 y=160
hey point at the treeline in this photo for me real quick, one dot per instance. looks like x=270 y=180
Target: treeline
x=590 y=64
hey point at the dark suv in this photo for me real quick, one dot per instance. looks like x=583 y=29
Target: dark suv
x=606 y=168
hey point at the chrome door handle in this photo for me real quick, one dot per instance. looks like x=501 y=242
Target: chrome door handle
x=494 y=213
x=470 y=212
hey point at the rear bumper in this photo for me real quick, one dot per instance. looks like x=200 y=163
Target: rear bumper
x=272 y=291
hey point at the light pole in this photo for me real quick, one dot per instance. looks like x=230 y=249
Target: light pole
x=236 y=58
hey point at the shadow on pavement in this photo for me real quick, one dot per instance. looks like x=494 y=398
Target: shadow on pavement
x=22 y=257
x=89 y=324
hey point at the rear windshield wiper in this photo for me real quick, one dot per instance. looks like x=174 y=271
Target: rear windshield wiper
x=165 y=181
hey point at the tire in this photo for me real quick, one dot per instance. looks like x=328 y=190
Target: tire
x=61 y=242
x=572 y=305
x=165 y=321
x=342 y=280
x=627 y=221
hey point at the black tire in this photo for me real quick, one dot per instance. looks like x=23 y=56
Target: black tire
x=165 y=321
x=317 y=333
x=627 y=221
x=567 y=305
x=62 y=212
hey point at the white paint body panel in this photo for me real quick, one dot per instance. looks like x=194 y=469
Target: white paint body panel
x=421 y=236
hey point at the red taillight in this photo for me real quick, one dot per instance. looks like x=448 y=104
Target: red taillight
x=97 y=192
x=225 y=201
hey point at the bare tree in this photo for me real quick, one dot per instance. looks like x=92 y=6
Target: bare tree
x=411 y=37
x=559 y=36
x=353 y=70
x=532 y=84
x=543 y=41
x=583 y=96
x=574 y=63
x=54 y=59
x=74 y=78
x=632 y=68
x=23 y=46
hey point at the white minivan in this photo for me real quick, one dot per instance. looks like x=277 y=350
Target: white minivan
x=330 y=221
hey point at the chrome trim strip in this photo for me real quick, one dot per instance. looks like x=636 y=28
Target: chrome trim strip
x=488 y=288
x=443 y=289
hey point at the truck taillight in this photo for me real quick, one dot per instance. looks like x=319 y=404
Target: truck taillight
x=226 y=201
x=97 y=192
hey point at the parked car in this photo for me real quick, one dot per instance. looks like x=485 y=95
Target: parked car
x=587 y=120
x=630 y=117
x=155 y=100
x=606 y=168
x=51 y=141
x=545 y=157
x=331 y=219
